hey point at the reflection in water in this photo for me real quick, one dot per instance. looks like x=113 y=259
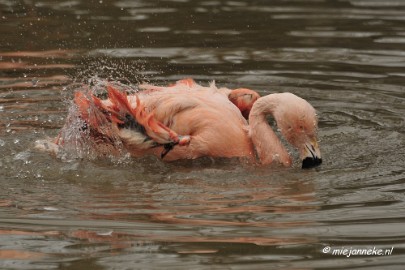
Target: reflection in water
x=19 y=255
x=196 y=203
x=345 y=57
x=199 y=214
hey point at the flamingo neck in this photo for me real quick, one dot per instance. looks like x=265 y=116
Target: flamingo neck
x=268 y=146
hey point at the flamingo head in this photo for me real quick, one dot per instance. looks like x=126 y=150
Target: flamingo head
x=244 y=99
x=298 y=123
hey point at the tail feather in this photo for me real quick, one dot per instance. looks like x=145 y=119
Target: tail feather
x=90 y=111
x=155 y=129
x=94 y=113
x=119 y=100
x=187 y=82
x=159 y=132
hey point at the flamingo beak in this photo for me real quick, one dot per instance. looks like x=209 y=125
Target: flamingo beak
x=312 y=155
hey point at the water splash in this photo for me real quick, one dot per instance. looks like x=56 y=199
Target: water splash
x=128 y=71
x=78 y=140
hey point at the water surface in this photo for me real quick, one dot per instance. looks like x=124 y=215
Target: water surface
x=346 y=58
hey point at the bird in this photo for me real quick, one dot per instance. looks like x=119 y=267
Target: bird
x=186 y=120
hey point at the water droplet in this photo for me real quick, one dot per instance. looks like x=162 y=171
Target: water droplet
x=25 y=75
x=2 y=143
x=34 y=82
x=16 y=141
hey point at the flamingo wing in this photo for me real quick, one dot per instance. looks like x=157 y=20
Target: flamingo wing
x=134 y=125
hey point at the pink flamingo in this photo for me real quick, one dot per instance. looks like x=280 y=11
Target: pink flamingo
x=188 y=121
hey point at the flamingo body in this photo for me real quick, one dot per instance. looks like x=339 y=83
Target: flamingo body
x=187 y=121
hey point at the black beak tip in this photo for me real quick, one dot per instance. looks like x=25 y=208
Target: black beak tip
x=310 y=162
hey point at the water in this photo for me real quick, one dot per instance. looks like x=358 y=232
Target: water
x=346 y=58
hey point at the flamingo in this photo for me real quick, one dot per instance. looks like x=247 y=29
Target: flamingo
x=186 y=121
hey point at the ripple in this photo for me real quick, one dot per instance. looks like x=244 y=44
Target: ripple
x=38 y=82
x=151 y=11
x=131 y=4
x=25 y=66
x=371 y=3
x=41 y=54
x=154 y=29
x=309 y=55
x=334 y=34
x=390 y=40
